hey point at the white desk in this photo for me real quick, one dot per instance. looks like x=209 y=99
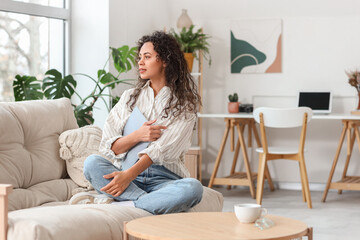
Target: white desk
x=240 y=120
x=250 y=115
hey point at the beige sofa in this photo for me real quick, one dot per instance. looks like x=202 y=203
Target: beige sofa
x=30 y=163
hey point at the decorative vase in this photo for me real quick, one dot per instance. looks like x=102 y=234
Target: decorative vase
x=358 y=106
x=233 y=107
x=184 y=20
x=189 y=57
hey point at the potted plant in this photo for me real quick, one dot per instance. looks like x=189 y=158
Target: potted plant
x=233 y=105
x=54 y=85
x=354 y=81
x=191 y=42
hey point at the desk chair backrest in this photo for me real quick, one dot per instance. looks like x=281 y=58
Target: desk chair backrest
x=282 y=117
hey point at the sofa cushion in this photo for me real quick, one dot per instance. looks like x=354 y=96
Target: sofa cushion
x=41 y=193
x=87 y=222
x=80 y=222
x=29 y=147
x=75 y=146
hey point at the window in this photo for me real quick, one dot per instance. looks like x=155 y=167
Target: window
x=32 y=40
x=52 y=3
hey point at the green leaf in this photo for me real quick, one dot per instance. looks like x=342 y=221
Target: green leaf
x=54 y=86
x=26 y=88
x=83 y=115
x=191 y=42
x=106 y=78
x=133 y=54
x=114 y=101
x=101 y=72
x=117 y=56
x=124 y=58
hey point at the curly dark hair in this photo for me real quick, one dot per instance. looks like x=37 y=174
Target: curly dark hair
x=184 y=96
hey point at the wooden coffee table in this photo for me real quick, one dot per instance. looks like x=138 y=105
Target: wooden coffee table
x=212 y=225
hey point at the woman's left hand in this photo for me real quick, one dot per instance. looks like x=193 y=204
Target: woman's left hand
x=119 y=183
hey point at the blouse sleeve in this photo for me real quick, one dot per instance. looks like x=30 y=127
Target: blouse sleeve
x=114 y=126
x=174 y=140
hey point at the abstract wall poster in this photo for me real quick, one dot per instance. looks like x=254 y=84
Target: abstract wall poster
x=256 y=46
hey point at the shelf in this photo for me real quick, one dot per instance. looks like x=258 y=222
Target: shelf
x=194 y=148
x=196 y=74
x=238 y=178
x=348 y=183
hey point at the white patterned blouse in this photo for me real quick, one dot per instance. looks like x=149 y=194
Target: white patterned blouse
x=169 y=150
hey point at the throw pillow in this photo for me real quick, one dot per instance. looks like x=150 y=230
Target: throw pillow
x=75 y=146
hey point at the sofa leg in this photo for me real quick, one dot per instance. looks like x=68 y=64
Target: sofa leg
x=5 y=190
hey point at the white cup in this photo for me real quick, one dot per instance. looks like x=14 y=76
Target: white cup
x=248 y=212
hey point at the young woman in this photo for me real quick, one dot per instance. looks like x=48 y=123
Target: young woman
x=166 y=95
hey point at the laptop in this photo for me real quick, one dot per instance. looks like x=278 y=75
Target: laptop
x=319 y=101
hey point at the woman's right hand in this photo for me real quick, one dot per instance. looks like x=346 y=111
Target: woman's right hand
x=148 y=132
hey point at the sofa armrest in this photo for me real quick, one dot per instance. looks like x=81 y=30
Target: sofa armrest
x=5 y=190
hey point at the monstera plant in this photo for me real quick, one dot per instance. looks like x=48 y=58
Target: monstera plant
x=54 y=85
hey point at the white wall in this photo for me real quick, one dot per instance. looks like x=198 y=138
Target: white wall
x=89 y=46
x=129 y=20
x=320 y=41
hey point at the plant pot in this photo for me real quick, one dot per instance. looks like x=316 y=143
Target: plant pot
x=189 y=57
x=233 y=107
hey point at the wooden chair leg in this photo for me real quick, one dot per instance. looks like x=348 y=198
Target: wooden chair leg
x=268 y=177
x=236 y=155
x=342 y=136
x=302 y=185
x=350 y=146
x=258 y=142
x=305 y=180
x=220 y=153
x=260 y=178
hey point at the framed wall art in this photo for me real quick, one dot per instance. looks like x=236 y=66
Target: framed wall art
x=256 y=46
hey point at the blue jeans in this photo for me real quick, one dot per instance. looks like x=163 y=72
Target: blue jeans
x=156 y=190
